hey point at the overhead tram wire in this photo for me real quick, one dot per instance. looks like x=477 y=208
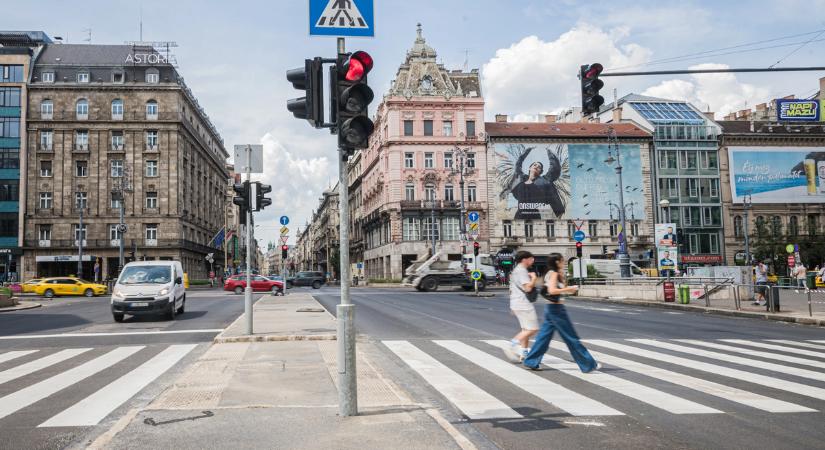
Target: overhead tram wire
x=797 y=49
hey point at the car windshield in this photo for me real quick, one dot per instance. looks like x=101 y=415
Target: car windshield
x=146 y=275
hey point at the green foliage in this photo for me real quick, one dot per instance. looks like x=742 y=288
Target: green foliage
x=384 y=280
x=4 y=291
x=198 y=282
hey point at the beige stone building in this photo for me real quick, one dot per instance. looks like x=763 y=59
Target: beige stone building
x=106 y=117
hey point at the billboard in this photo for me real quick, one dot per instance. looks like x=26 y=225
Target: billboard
x=797 y=110
x=665 y=234
x=543 y=181
x=777 y=174
x=667 y=258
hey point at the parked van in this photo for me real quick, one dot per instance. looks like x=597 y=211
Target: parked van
x=149 y=287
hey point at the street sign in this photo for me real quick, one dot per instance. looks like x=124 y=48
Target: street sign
x=284 y=220
x=257 y=158
x=789 y=248
x=341 y=18
x=284 y=230
x=472 y=216
x=475 y=275
x=284 y=239
x=578 y=235
x=474 y=227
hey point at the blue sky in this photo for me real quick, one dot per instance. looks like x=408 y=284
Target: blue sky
x=234 y=56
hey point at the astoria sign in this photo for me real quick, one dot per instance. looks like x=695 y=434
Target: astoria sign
x=149 y=58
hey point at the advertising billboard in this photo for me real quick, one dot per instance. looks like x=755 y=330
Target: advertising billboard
x=797 y=110
x=567 y=181
x=777 y=174
x=667 y=259
x=665 y=234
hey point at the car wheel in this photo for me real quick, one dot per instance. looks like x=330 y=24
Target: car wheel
x=49 y=293
x=238 y=290
x=118 y=317
x=89 y=293
x=182 y=306
x=429 y=284
x=172 y=312
x=316 y=285
x=482 y=284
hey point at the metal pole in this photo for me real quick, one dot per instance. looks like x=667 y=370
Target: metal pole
x=460 y=157
x=120 y=234
x=747 y=201
x=80 y=242
x=248 y=290
x=347 y=377
x=624 y=260
x=810 y=308
x=432 y=222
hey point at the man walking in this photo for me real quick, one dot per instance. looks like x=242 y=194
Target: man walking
x=522 y=283
x=761 y=283
x=801 y=273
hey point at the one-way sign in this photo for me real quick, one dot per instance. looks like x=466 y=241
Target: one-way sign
x=341 y=18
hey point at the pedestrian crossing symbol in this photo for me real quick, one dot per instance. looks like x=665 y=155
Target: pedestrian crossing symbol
x=341 y=18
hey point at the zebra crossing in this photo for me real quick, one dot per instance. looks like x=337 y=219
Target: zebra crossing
x=676 y=376
x=51 y=380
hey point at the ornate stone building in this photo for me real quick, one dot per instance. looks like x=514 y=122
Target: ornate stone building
x=410 y=185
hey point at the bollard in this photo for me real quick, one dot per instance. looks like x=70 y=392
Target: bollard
x=707 y=298
x=810 y=308
x=735 y=297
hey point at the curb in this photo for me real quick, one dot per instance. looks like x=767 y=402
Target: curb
x=271 y=338
x=22 y=306
x=721 y=312
x=480 y=294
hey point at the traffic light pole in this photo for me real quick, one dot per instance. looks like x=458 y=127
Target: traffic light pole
x=345 y=312
x=247 y=304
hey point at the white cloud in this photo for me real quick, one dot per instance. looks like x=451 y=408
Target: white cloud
x=535 y=75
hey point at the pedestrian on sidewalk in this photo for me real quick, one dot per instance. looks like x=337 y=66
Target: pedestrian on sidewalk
x=761 y=271
x=801 y=273
x=556 y=318
x=522 y=285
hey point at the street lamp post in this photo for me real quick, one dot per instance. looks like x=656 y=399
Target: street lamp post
x=459 y=167
x=80 y=236
x=747 y=202
x=432 y=220
x=624 y=259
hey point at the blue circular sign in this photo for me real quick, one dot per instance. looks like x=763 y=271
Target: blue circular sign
x=473 y=216
x=475 y=275
x=578 y=236
x=284 y=220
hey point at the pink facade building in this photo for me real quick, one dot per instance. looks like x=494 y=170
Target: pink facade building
x=429 y=125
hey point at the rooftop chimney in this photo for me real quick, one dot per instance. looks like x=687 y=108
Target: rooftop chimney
x=501 y=118
x=762 y=107
x=617 y=114
x=710 y=115
x=551 y=118
x=822 y=88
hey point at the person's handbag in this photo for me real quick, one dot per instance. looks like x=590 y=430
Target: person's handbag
x=532 y=295
x=545 y=293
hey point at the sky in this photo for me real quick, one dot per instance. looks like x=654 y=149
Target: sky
x=234 y=57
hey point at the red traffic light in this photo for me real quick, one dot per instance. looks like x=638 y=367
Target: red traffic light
x=593 y=70
x=476 y=245
x=284 y=247
x=358 y=65
x=578 y=245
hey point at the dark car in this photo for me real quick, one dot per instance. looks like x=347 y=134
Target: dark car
x=314 y=279
x=237 y=284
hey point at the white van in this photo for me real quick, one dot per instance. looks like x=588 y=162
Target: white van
x=149 y=287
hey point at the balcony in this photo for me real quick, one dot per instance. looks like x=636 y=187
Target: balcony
x=151 y=242
x=117 y=148
x=46 y=115
x=44 y=243
x=151 y=147
x=117 y=116
x=45 y=147
x=81 y=148
x=427 y=204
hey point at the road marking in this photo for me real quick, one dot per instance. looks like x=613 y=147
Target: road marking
x=8 y=356
x=36 y=392
x=698 y=384
x=762 y=380
x=91 y=410
x=555 y=394
x=123 y=333
x=798 y=344
x=466 y=396
x=38 y=364
x=780 y=348
x=766 y=355
x=644 y=394
x=804 y=373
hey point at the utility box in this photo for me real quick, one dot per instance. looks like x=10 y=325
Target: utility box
x=669 y=289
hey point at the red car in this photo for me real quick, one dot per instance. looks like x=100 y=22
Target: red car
x=237 y=284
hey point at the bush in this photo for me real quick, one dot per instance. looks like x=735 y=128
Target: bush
x=5 y=291
x=199 y=282
x=384 y=280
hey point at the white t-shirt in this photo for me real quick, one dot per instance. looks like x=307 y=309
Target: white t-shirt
x=518 y=299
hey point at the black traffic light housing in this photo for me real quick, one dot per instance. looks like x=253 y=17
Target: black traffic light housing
x=261 y=201
x=476 y=247
x=351 y=96
x=284 y=249
x=590 y=86
x=579 y=249
x=241 y=199
x=308 y=79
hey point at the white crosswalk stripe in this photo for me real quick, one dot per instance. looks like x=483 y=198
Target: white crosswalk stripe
x=39 y=364
x=798 y=344
x=781 y=348
x=754 y=352
x=8 y=356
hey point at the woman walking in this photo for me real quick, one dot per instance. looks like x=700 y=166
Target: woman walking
x=522 y=284
x=555 y=318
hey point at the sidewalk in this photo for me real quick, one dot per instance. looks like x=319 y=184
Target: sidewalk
x=277 y=389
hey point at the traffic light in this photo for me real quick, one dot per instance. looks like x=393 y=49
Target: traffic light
x=262 y=202
x=476 y=246
x=590 y=83
x=350 y=99
x=579 y=249
x=241 y=199
x=284 y=249
x=308 y=79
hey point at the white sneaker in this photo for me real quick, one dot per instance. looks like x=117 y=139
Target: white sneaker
x=513 y=352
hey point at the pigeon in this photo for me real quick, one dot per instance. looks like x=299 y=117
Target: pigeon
x=587 y=213
x=584 y=196
x=589 y=170
x=579 y=165
x=586 y=205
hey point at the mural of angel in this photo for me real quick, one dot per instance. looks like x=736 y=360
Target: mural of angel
x=544 y=188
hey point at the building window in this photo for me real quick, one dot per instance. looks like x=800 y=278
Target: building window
x=152 y=76
x=550 y=228
x=508 y=228
x=760 y=225
x=614 y=229
x=447 y=128
x=151 y=110
x=448 y=160
x=693 y=244
x=83 y=77
x=408 y=128
x=813 y=224
x=151 y=200
x=714 y=188
x=82 y=109
x=46 y=139
x=44 y=233
x=79 y=232
x=151 y=232
x=411 y=229
x=115 y=201
x=9 y=127
x=708 y=160
x=409 y=192
x=693 y=187
x=738 y=226
x=593 y=228
x=116 y=168
x=793 y=226
x=151 y=168
x=118 y=77
x=81 y=140
x=114 y=234
x=471 y=160
x=429 y=192
x=707 y=218
x=117 y=140
x=81 y=200
x=409 y=161
x=117 y=109
x=634 y=228
x=45 y=200
x=449 y=193
x=714 y=243
x=428 y=128
x=471 y=128
x=528 y=228
x=776 y=226
x=571 y=228
x=10 y=96
x=9 y=158
x=428 y=161
x=46 y=109
x=673 y=187
x=47 y=77
x=430 y=226
x=687 y=159
x=81 y=168
x=450 y=228
x=45 y=168
x=667 y=160
x=11 y=73
x=152 y=139
x=471 y=193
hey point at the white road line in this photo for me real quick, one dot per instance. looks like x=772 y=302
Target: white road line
x=39 y=364
x=798 y=343
x=780 y=348
x=698 y=384
x=466 y=396
x=8 y=356
x=91 y=410
x=804 y=373
x=819 y=342
x=553 y=393
x=124 y=333
x=644 y=394
x=762 y=380
x=767 y=355
x=36 y=392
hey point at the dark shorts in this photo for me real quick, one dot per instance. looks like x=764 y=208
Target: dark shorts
x=761 y=287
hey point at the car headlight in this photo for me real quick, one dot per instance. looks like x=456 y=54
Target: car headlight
x=117 y=293
x=164 y=291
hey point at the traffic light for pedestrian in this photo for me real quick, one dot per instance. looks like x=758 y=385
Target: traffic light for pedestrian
x=476 y=247
x=308 y=79
x=284 y=249
x=241 y=199
x=579 y=249
x=591 y=84
x=350 y=98
x=261 y=201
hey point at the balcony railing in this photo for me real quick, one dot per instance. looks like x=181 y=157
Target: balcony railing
x=81 y=147
x=71 y=115
x=109 y=243
x=428 y=204
x=45 y=147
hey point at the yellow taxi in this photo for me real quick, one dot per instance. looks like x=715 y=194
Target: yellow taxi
x=29 y=285
x=50 y=287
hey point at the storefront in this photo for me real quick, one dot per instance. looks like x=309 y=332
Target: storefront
x=63 y=265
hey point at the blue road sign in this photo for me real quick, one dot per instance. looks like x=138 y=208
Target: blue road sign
x=472 y=216
x=341 y=18
x=284 y=220
x=475 y=275
x=578 y=236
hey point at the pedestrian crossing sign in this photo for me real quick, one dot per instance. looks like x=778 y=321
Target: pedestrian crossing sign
x=341 y=18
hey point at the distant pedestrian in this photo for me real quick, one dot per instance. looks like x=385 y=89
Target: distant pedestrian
x=556 y=318
x=761 y=271
x=522 y=285
x=801 y=273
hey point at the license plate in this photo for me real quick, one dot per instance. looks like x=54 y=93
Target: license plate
x=139 y=304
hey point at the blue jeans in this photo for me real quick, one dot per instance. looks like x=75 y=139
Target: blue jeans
x=555 y=318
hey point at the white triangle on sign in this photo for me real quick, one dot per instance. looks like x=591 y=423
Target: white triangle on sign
x=341 y=14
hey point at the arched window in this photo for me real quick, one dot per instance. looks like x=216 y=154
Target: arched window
x=152 y=76
x=760 y=225
x=117 y=109
x=82 y=109
x=793 y=226
x=737 y=226
x=46 y=109
x=776 y=226
x=151 y=110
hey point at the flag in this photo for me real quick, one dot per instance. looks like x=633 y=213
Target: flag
x=218 y=239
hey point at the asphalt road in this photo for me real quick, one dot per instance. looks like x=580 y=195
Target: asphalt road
x=662 y=392
x=68 y=371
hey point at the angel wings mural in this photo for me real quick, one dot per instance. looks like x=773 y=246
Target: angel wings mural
x=544 y=190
